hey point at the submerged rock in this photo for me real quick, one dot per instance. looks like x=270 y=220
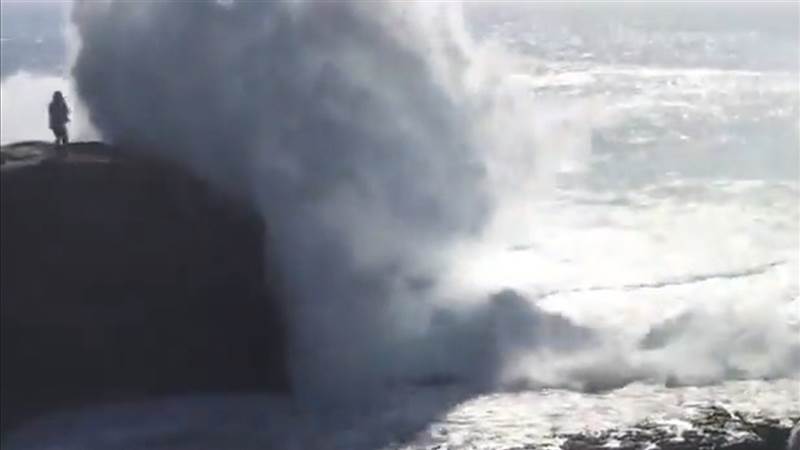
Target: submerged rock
x=123 y=278
x=712 y=427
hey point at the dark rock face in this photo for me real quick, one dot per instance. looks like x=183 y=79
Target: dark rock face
x=125 y=278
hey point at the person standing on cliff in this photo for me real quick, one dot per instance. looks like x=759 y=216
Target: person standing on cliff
x=59 y=116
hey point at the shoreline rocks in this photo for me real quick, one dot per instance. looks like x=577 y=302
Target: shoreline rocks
x=713 y=427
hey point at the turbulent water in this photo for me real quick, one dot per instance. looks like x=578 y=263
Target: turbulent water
x=643 y=263
x=675 y=214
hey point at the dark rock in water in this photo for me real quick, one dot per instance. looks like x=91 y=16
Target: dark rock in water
x=712 y=428
x=123 y=278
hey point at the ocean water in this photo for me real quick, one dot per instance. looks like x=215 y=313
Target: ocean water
x=652 y=250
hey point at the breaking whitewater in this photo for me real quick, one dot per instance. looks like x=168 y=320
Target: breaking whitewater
x=545 y=222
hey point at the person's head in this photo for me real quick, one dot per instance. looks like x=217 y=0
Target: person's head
x=58 y=97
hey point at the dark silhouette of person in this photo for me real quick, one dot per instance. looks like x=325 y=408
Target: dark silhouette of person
x=59 y=116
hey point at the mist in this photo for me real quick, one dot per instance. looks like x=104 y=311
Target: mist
x=349 y=125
